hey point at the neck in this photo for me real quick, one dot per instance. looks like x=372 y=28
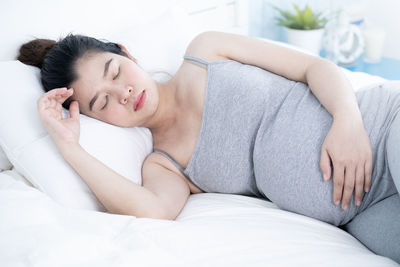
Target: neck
x=167 y=109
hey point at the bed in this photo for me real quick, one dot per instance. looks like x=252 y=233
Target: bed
x=57 y=222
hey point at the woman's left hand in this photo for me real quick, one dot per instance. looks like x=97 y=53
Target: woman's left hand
x=348 y=146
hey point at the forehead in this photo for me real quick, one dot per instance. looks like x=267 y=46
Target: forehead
x=91 y=62
x=89 y=69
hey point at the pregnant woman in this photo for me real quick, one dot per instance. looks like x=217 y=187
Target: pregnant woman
x=240 y=116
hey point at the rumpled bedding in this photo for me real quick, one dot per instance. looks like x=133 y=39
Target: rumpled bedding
x=212 y=230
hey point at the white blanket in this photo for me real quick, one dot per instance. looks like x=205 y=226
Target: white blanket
x=212 y=230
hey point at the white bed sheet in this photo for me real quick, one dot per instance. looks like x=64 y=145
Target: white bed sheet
x=212 y=230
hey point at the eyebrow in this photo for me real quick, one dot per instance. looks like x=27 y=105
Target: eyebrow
x=106 y=66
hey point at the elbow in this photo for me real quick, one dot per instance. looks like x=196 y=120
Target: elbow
x=155 y=213
x=159 y=216
x=163 y=214
x=315 y=66
x=320 y=61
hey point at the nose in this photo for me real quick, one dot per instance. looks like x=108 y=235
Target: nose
x=126 y=95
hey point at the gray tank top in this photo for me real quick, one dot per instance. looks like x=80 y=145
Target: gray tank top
x=236 y=101
x=261 y=135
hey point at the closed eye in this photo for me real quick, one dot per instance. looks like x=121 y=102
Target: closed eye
x=119 y=71
x=105 y=103
x=116 y=76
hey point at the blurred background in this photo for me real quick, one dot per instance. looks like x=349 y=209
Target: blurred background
x=260 y=17
x=361 y=35
x=381 y=13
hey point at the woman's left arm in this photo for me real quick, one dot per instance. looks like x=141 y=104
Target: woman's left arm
x=347 y=144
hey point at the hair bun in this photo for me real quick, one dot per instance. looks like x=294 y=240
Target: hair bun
x=33 y=52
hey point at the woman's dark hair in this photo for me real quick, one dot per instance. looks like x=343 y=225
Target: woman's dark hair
x=56 y=60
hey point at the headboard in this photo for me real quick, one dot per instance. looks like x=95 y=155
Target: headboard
x=24 y=20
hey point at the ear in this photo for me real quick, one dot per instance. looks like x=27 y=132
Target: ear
x=123 y=48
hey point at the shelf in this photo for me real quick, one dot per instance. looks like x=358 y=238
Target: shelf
x=387 y=68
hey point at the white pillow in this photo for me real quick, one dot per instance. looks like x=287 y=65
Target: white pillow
x=34 y=154
x=159 y=45
x=5 y=164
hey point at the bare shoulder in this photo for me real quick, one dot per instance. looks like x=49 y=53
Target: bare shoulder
x=202 y=46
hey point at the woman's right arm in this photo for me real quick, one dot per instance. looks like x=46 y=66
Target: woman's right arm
x=115 y=192
x=118 y=194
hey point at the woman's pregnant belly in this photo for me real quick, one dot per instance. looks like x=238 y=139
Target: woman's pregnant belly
x=287 y=171
x=287 y=155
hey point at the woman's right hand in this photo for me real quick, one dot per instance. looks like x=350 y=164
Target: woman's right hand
x=64 y=131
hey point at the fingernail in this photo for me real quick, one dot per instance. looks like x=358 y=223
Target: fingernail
x=345 y=207
x=367 y=189
x=325 y=177
x=337 y=202
x=358 y=202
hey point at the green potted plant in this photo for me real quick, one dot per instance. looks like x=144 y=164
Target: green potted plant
x=303 y=28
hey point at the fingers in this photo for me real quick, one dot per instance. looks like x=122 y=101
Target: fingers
x=126 y=52
x=54 y=97
x=74 y=110
x=348 y=186
x=359 y=185
x=346 y=180
x=338 y=178
x=325 y=165
x=60 y=95
x=122 y=46
x=368 y=174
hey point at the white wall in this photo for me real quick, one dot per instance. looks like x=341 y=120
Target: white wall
x=42 y=18
x=385 y=13
x=24 y=20
x=225 y=15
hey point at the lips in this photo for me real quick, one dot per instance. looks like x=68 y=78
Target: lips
x=137 y=101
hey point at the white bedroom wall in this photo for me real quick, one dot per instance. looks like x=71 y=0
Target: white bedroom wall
x=224 y=15
x=24 y=20
x=249 y=17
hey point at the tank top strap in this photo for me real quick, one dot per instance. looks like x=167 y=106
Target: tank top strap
x=171 y=159
x=196 y=59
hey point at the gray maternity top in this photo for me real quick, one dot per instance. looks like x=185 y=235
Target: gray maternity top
x=261 y=136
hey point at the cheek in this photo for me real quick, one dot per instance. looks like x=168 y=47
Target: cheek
x=136 y=76
x=115 y=114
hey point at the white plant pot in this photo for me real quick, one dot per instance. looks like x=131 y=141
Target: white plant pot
x=309 y=40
